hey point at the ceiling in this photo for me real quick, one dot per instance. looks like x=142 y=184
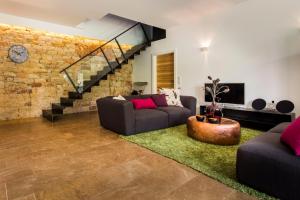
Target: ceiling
x=161 y=13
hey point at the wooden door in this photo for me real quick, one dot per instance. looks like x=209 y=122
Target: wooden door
x=165 y=70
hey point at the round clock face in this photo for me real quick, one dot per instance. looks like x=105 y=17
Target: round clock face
x=18 y=53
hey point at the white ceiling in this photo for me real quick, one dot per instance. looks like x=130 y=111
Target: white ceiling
x=161 y=13
x=107 y=27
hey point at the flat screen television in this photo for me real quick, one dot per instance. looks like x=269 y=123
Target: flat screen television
x=236 y=95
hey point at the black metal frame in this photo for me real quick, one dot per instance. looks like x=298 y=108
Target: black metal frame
x=120 y=49
x=102 y=46
x=146 y=36
x=105 y=56
x=67 y=74
x=106 y=59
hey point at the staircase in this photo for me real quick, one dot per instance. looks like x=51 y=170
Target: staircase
x=86 y=73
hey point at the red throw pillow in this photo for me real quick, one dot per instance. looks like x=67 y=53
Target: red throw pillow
x=159 y=100
x=143 y=103
x=291 y=136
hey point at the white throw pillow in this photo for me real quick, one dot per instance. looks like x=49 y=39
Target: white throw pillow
x=172 y=96
x=121 y=98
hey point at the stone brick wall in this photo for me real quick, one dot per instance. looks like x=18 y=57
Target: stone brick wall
x=27 y=88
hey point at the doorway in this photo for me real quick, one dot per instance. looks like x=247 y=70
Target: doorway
x=164 y=71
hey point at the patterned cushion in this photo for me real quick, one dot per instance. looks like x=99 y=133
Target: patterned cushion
x=172 y=96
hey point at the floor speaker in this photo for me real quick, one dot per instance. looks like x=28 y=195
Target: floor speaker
x=285 y=106
x=259 y=104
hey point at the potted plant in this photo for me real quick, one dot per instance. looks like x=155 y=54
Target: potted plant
x=214 y=90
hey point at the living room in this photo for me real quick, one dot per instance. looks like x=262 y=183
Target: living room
x=149 y=99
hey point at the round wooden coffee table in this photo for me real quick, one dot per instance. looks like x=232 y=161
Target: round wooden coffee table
x=228 y=132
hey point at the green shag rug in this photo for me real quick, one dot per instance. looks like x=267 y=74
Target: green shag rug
x=217 y=162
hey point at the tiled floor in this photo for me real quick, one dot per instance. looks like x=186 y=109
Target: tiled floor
x=75 y=158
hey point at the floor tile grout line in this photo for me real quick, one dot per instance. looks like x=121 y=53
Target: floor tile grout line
x=34 y=196
x=6 y=191
x=178 y=187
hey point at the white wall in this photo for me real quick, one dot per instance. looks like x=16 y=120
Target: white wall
x=256 y=42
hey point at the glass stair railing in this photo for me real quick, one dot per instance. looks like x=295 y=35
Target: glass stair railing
x=85 y=72
x=95 y=66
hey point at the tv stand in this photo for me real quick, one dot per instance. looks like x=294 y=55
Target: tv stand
x=258 y=119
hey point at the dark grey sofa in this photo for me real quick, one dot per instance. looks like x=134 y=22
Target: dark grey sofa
x=121 y=117
x=264 y=163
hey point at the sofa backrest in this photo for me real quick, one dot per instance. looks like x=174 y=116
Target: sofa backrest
x=144 y=96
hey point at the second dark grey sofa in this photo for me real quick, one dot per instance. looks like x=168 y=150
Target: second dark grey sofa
x=267 y=165
x=121 y=117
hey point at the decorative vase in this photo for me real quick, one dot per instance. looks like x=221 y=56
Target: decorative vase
x=218 y=114
x=210 y=110
x=214 y=111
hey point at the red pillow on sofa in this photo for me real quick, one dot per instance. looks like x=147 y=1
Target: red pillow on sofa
x=160 y=100
x=291 y=136
x=143 y=103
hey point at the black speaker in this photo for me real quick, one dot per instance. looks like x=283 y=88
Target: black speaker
x=259 y=104
x=285 y=106
x=202 y=110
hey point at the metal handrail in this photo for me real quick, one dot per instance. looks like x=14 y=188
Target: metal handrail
x=102 y=46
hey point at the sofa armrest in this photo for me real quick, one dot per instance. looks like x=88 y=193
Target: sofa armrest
x=280 y=127
x=189 y=102
x=116 y=115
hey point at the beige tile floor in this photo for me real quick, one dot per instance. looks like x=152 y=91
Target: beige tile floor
x=75 y=158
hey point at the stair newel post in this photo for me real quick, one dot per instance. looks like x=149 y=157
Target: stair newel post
x=69 y=77
x=144 y=31
x=106 y=59
x=123 y=55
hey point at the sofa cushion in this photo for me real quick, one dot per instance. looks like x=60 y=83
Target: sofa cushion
x=143 y=103
x=291 y=136
x=150 y=119
x=176 y=115
x=268 y=145
x=264 y=163
x=119 y=97
x=172 y=96
x=144 y=96
x=160 y=100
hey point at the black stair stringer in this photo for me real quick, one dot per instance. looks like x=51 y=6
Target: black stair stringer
x=56 y=110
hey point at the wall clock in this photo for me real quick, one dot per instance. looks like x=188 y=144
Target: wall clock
x=18 y=53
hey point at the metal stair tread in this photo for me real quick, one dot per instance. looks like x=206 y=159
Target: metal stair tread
x=58 y=106
x=49 y=112
x=74 y=95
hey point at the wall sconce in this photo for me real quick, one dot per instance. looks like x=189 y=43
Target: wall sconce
x=204 y=46
x=203 y=49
